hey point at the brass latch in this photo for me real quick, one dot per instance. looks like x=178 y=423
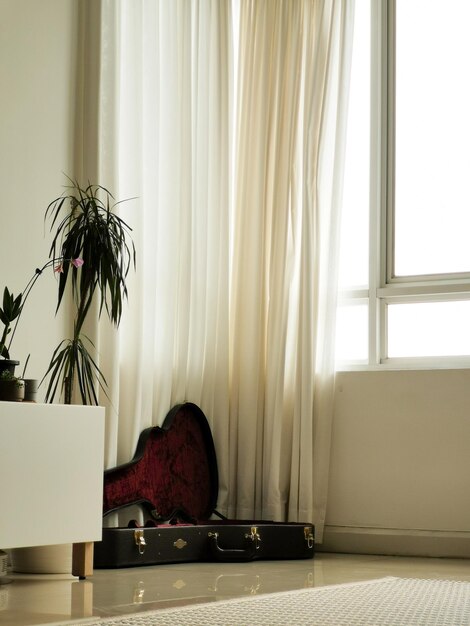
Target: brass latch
x=254 y=536
x=180 y=543
x=308 y=532
x=140 y=540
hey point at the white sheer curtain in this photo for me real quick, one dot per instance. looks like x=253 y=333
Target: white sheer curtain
x=233 y=302
x=293 y=86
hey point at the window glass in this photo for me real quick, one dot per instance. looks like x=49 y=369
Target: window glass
x=354 y=260
x=432 y=135
x=352 y=333
x=429 y=329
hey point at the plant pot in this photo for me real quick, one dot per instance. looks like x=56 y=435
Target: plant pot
x=30 y=389
x=8 y=364
x=12 y=390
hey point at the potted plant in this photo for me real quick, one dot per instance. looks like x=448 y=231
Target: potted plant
x=100 y=242
x=11 y=387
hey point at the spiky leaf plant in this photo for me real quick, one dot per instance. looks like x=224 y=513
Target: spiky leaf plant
x=92 y=233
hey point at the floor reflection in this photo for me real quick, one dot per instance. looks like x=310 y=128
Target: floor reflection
x=36 y=599
x=40 y=599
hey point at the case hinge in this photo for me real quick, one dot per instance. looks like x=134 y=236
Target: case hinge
x=140 y=540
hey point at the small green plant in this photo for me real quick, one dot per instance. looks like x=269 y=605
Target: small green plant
x=6 y=375
x=9 y=312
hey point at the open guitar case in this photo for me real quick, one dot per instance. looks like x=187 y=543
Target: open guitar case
x=173 y=476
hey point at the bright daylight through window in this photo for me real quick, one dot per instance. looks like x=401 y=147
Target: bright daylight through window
x=405 y=259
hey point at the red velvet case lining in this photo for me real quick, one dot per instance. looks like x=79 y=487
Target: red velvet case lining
x=174 y=468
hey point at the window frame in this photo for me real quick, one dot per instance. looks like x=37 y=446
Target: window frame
x=385 y=288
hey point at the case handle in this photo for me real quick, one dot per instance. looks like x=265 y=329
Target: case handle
x=235 y=554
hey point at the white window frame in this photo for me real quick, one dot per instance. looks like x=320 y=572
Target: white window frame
x=384 y=288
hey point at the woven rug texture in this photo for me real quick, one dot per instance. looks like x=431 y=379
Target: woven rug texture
x=384 y=602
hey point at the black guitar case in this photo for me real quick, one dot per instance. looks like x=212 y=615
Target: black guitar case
x=173 y=476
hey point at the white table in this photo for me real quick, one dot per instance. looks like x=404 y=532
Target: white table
x=51 y=477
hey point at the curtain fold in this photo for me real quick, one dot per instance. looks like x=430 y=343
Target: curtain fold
x=269 y=83
x=293 y=87
x=227 y=123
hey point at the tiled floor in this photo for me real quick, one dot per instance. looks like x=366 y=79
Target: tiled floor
x=37 y=599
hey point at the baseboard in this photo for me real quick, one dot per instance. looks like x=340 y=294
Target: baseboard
x=396 y=542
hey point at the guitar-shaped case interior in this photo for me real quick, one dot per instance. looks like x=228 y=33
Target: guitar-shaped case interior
x=173 y=471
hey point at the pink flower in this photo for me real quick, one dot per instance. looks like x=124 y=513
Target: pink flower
x=77 y=262
x=59 y=269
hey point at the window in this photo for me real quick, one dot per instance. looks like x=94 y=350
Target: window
x=405 y=259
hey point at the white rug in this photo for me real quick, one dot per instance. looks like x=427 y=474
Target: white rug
x=383 y=602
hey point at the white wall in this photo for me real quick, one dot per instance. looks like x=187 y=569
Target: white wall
x=37 y=78
x=400 y=466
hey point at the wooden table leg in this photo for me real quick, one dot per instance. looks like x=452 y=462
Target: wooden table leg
x=82 y=559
